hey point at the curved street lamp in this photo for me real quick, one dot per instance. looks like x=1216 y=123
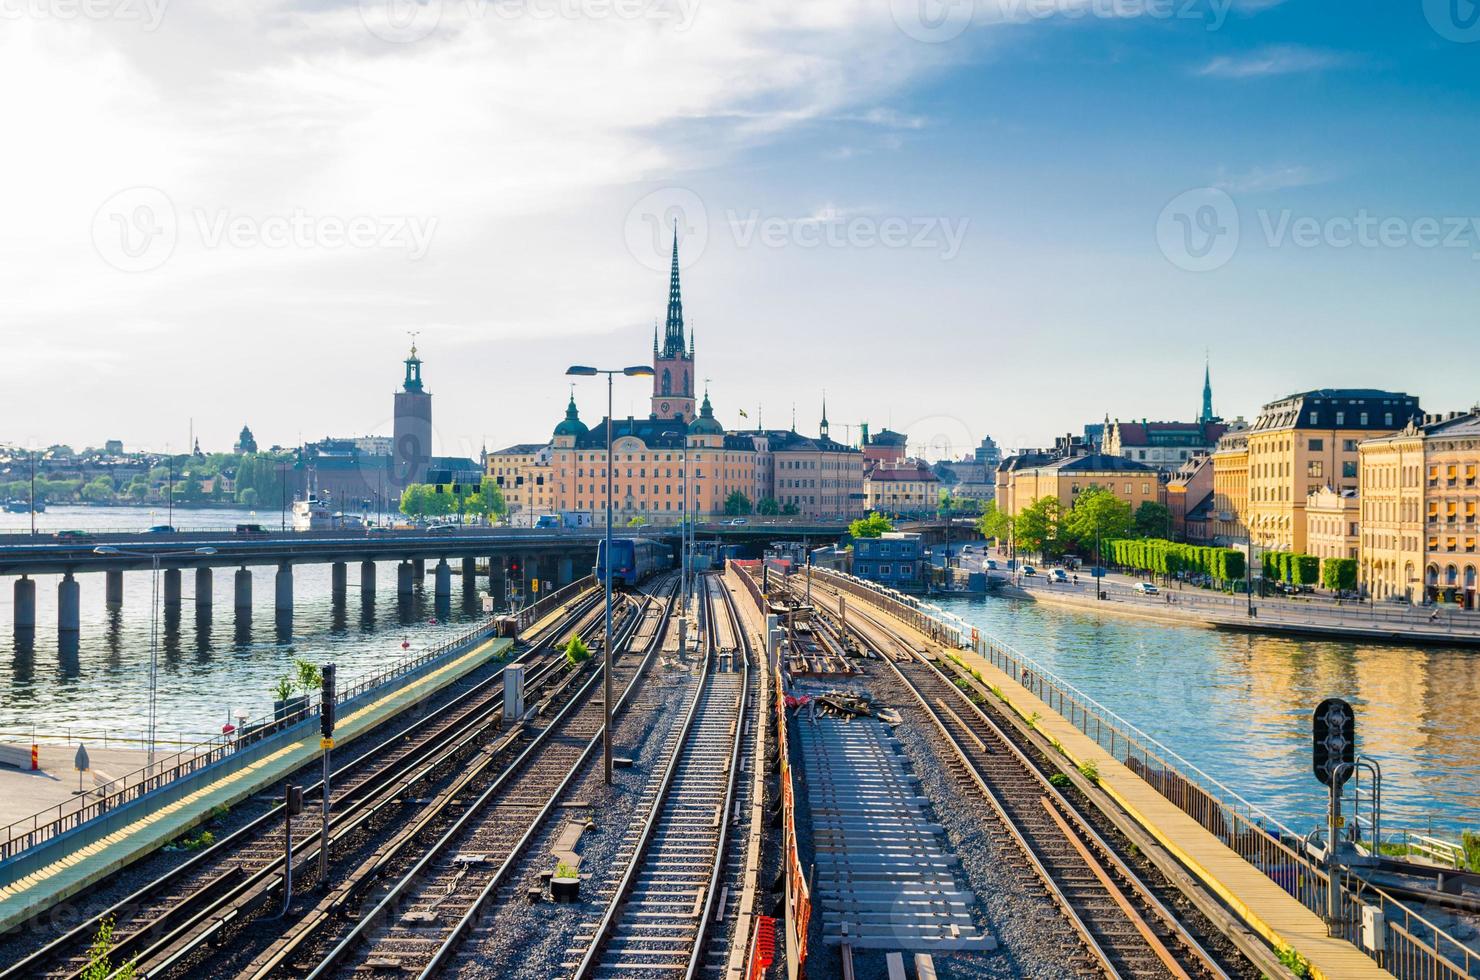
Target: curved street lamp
x=154 y=558
x=583 y=371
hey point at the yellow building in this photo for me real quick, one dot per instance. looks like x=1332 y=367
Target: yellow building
x=1332 y=523
x=522 y=473
x=649 y=459
x=1231 y=488
x=1066 y=477
x=1392 y=493
x=821 y=478
x=1419 y=530
x=1307 y=441
x=905 y=488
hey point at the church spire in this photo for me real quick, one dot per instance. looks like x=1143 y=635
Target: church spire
x=1207 y=399
x=823 y=428
x=673 y=345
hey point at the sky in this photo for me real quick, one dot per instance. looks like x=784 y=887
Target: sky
x=956 y=218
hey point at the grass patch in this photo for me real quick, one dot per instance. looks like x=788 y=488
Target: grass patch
x=1089 y=771
x=576 y=651
x=1060 y=781
x=99 y=956
x=1293 y=961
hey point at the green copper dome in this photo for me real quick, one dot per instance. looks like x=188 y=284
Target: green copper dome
x=572 y=426
x=706 y=424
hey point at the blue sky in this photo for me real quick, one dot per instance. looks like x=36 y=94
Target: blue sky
x=1011 y=232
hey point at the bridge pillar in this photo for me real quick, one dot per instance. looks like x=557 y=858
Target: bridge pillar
x=567 y=571
x=172 y=588
x=243 y=591
x=204 y=586
x=470 y=574
x=367 y=581
x=69 y=605
x=419 y=572
x=403 y=579
x=443 y=593
x=284 y=585
x=532 y=575
x=25 y=605
x=339 y=581
x=113 y=589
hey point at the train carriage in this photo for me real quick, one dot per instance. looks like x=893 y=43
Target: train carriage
x=633 y=560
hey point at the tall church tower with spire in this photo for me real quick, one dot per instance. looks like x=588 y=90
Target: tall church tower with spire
x=673 y=365
x=1207 y=401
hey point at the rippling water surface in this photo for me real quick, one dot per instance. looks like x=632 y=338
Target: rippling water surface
x=1238 y=705
x=208 y=668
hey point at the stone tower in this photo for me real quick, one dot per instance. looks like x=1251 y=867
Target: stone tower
x=411 y=451
x=673 y=366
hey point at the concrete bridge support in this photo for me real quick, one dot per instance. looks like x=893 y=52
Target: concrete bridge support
x=470 y=575
x=284 y=591
x=69 y=606
x=244 y=592
x=204 y=589
x=25 y=605
x=113 y=589
x=567 y=571
x=498 y=581
x=444 y=580
x=339 y=581
x=404 y=572
x=367 y=581
x=172 y=588
x=419 y=572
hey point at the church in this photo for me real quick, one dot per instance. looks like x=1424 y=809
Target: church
x=809 y=476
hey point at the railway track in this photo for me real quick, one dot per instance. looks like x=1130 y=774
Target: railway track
x=215 y=893
x=1124 y=929
x=657 y=918
x=423 y=908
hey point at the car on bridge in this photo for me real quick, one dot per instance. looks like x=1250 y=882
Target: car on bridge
x=1146 y=588
x=160 y=529
x=71 y=536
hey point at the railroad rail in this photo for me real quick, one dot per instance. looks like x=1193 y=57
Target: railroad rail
x=659 y=914
x=423 y=914
x=1121 y=924
x=226 y=884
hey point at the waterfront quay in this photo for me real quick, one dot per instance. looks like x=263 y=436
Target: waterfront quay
x=812 y=774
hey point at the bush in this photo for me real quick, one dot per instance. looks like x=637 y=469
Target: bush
x=1089 y=771
x=1339 y=574
x=1060 y=781
x=576 y=651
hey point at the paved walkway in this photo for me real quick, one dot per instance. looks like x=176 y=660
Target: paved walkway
x=1267 y=908
x=24 y=791
x=151 y=829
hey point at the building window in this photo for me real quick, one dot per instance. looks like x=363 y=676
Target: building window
x=1350 y=445
x=1313 y=468
x=1341 y=418
x=1317 y=445
x=1315 y=418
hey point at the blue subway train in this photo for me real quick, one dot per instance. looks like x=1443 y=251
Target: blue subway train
x=633 y=559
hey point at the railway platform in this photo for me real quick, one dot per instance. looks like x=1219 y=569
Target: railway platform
x=1264 y=906
x=90 y=854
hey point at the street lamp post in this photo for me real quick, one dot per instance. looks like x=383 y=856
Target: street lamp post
x=683 y=528
x=154 y=559
x=639 y=371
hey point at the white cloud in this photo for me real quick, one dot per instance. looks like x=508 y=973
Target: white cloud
x=1266 y=179
x=1284 y=59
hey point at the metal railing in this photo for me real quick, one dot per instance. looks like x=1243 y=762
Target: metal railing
x=1415 y=948
x=24 y=834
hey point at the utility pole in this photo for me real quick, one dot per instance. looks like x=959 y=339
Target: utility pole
x=326 y=742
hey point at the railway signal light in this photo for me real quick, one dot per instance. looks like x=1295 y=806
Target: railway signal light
x=326 y=703
x=293 y=799
x=1334 y=740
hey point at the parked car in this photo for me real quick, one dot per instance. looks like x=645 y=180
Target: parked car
x=992 y=564
x=1058 y=575
x=1146 y=588
x=160 y=529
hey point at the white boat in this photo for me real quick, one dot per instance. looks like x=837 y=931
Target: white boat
x=312 y=514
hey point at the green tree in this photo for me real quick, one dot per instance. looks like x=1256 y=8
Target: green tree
x=414 y=500
x=871 y=526
x=1339 y=574
x=737 y=504
x=994 y=523
x=247 y=497
x=98 y=490
x=487 y=502
x=790 y=510
x=768 y=507
x=1153 y=520
x=1039 y=527
x=1096 y=510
